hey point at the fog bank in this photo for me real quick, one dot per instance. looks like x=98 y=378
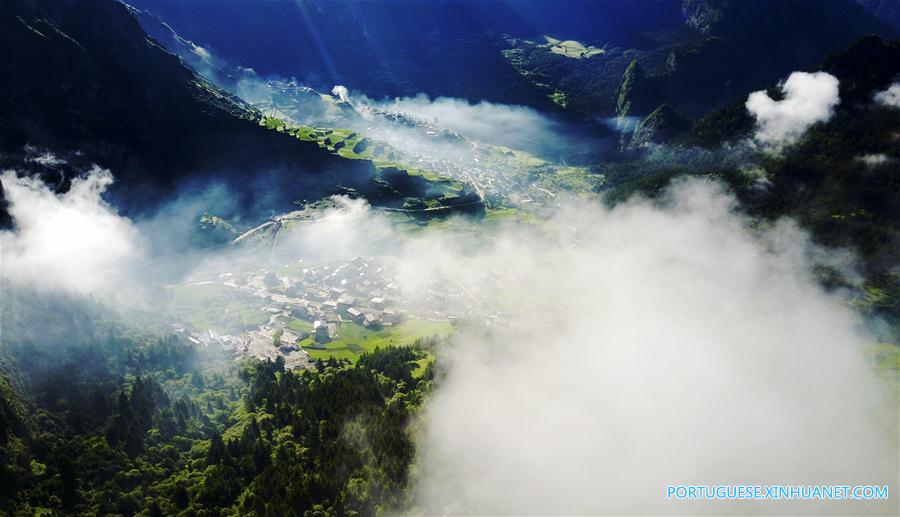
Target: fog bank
x=73 y=241
x=601 y=355
x=650 y=347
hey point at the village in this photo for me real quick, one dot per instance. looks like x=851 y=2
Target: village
x=314 y=310
x=494 y=172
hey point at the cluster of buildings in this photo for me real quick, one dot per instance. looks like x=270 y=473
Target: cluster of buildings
x=321 y=296
x=494 y=173
x=325 y=295
x=308 y=304
x=210 y=337
x=497 y=179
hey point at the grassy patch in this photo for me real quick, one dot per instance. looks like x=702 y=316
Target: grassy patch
x=422 y=365
x=215 y=306
x=572 y=49
x=355 y=339
x=573 y=179
x=299 y=325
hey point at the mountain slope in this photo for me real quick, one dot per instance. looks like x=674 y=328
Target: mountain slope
x=887 y=10
x=381 y=48
x=840 y=180
x=84 y=81
x=695 y=54
x=725 y=49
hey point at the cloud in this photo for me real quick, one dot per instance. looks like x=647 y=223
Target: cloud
x=889 y=97
x=348 y=229
x=808 y=98
x=201 y=52
x=72 y=241
x=602 y=354
x=341 y=92
x=499 y=124
x=874 y=160
x=46 y=159
x=644 y=346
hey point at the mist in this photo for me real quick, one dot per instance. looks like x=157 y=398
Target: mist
x=600 y=356
x=511 y=126
x=73 y=242
x=889 y=97
x=647 y=346
x=609 y=353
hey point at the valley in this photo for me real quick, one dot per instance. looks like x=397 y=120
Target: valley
x=334 y=258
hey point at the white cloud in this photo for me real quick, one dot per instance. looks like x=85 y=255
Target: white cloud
x=201 y=52
x=72 y=241
x=632 y=348
x=808 y=98
x=874 y=160
x=496 y=123
x=47 y=159
x=889 y=97
x=341 y=92
x=647 y=347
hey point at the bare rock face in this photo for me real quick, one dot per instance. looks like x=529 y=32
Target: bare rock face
x=662 y=124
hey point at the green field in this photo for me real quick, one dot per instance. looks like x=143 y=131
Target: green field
x=215 y=306
x=299 y=325
x=572 y=49
x=355 y=339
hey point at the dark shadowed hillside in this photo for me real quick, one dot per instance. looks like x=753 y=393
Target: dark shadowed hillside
x=694 y=55
x=827 y=180
x=887 y=10
x=83 y=81
x=353 y=258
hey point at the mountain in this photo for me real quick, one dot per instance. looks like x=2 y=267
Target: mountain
x=887 y=10
x=694 y=55
x=84 y=82
x=659 y=126
x=724 y=49
x=840 y=180
x=385 y=49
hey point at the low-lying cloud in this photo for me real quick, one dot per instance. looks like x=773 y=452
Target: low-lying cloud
x=496 y=123
x=874 y=160
x=648 y=346
x=808 y=98
x=601 y=355
x=341 y=92
x=73 y=241
x=890 y=96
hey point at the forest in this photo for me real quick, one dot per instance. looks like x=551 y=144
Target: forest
x=158 y=426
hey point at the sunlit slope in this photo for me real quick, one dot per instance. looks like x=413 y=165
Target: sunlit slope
x=90 y=86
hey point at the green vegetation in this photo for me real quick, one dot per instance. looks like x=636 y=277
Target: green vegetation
x=215 y=306
x=559 y=98
x=156 y=426
x=393 y=181
x=355 y=339
x=299 y=325
x=623 y=104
